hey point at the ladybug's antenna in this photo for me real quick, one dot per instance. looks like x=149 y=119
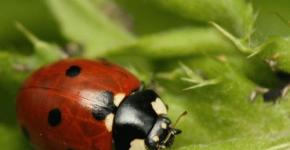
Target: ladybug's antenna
x=179 y=118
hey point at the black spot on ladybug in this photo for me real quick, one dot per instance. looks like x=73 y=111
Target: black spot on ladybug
x=54 y=117
x=104 y=105
x=100 y=114
x=73 y=71
x=25 y=132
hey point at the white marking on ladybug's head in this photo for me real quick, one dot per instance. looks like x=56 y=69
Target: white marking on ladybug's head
x=109 y=121
x=155 y=138
x=118 y=98
x=159 y=107
x=137 y=144
x=163 y=125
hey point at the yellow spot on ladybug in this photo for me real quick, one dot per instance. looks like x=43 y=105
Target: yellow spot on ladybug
x=137 y=144
x=159 y=107
x=109 y=121
x=118 y=98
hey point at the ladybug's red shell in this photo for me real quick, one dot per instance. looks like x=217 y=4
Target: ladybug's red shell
x=55 y=105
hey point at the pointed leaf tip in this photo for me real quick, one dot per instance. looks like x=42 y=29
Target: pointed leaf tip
x=46 y=51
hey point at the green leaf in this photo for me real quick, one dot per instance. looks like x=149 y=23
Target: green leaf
x=235 y=15
x=83 y=23
x=146 y=18
x=279 y=141
x=33 y=14
x=268 y=24
x=181 y=42
x=276 y=53
x=222 y=111
x=47 y=52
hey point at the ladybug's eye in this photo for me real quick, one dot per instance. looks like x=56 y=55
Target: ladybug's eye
x=73 y=71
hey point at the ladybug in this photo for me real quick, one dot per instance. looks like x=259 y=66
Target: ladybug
x=78 y=104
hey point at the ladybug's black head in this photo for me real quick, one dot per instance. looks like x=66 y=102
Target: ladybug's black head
x=162 y=134
x=141 y=123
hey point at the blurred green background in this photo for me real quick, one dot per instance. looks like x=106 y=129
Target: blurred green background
x=171 y=43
